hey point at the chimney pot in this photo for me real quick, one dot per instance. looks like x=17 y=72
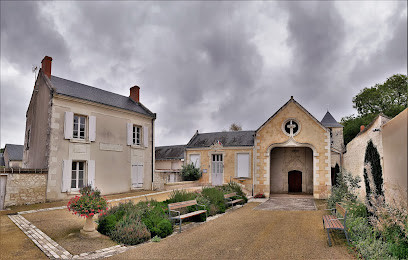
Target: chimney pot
x=46 y=66
x=362 y=128
x=134 y=93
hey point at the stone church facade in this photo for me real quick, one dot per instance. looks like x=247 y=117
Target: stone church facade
x=291 y=152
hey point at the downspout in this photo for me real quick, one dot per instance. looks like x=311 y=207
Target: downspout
x=153 y=152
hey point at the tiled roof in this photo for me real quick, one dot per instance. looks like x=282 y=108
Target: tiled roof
x=14 y=151
x=170 y=152
x=329 y=121
x=85 y=92
x=231 y=138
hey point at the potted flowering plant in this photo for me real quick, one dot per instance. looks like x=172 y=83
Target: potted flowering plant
x=88 y=205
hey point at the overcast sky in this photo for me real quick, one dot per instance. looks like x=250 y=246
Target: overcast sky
x=204 y=65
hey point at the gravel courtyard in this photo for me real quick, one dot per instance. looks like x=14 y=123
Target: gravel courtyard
x=246 y=233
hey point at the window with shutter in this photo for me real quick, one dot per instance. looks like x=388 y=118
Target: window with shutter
x=242 y=165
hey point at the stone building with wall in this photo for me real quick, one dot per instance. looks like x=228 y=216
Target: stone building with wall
x=85 y=135
x=353 y=158
x=290 y=152
x=13 y=156
x=169 y=161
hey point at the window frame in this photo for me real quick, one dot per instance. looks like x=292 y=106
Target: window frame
x=78 y=135
x=28 y=139
x=237 y=165
x=137 y=140
x=77 y=171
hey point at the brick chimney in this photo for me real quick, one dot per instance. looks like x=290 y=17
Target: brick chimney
x=362 y=128
x=134 y=93
x=46 y=66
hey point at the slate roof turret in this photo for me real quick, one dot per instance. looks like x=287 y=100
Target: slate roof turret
x=329 y=121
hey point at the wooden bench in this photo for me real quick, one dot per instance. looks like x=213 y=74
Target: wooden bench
x=177 y=205
x=229 y=197
x=332 y=222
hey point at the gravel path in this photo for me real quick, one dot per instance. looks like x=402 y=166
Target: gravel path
x=246 y=233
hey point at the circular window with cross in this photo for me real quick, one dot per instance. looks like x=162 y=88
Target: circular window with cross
x=291 y=127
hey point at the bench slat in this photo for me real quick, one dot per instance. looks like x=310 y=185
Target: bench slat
x=183 y=204
x=198 y=212
x=340 y=209
x=227 y=196
x=235 y=201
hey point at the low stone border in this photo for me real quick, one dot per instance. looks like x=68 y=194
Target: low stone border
x=52 y=249
x=44 y=242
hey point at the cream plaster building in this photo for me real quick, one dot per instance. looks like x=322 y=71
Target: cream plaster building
x=291 y=152
x=85 y=135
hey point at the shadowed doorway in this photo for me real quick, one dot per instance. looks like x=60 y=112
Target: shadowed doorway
x=295 y=181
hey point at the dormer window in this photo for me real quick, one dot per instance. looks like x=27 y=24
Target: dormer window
x=79 y=127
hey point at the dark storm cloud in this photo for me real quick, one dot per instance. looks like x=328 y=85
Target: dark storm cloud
x=390 y=56
x=316 y=36
x=27 y=35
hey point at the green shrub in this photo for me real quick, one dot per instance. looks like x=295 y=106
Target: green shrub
x=356 y=209
x=107 y=224
x=130 y=232
x=399 y=250
x=164 y=228
x=234 y=187
x=190 y=173
x=181 y=195
x=216 y=197
x=156 y=239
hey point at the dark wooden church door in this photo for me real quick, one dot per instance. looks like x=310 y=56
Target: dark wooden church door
x=295 y=181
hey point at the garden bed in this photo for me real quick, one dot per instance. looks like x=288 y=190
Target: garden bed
x=132 y=224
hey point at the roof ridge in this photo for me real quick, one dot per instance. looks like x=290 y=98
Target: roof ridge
x=91 y=86
x=227 y=132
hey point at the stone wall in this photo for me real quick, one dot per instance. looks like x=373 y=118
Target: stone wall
x=25 y=188
x=353 y=159
x=162 y=177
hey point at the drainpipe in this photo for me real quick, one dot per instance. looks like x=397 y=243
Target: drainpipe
x=153 y=150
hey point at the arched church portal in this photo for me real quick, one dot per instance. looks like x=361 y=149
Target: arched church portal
x=291 y=170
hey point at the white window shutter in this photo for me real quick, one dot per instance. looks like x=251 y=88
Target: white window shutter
x=91 y=173
x=129 y=134
x=242 y=165
x=92 y=128
x=145 y=136
x=68 y=124
x=66 y=175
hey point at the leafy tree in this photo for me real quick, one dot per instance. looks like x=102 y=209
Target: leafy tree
x=235 y=127
x=372 y=157
x=389 y=98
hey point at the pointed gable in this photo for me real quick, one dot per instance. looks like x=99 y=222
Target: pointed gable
x=292 y=100
x=329 y=121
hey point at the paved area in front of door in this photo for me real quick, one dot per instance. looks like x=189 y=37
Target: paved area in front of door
x=288 y=203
